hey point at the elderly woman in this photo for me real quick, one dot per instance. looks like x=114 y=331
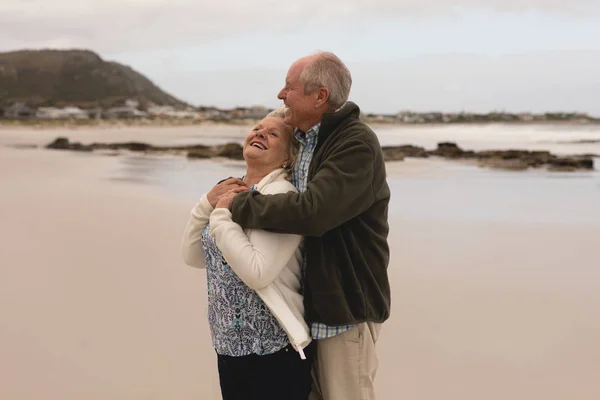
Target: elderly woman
x=255 y=307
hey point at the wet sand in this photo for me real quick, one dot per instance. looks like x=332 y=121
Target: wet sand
x=96 y=302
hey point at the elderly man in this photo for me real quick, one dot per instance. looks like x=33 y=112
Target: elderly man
x=342 y=210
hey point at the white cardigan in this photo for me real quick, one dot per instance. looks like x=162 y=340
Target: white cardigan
x=269 y=263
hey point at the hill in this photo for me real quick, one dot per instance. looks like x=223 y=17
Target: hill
x=73 y=77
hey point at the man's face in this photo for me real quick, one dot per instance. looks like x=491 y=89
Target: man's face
x=302 y=111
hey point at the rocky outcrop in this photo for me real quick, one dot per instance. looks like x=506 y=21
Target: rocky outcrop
x=229 y=150
x=581 y=141
x=570 y=164
x=506 y=159
x=451 y=150
x=63 y=143
x=397 y=153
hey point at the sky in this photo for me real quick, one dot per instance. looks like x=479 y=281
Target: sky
x=420 y=55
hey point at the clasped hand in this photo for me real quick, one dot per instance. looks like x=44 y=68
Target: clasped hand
x=223 y=193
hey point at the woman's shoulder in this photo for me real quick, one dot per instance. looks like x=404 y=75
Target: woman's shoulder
x=279 y=185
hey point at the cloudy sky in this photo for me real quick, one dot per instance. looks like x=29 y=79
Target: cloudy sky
x=448 y=55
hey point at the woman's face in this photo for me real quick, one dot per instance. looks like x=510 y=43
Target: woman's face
x=268 y=143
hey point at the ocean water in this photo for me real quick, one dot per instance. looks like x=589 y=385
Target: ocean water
x=559 y=139
x=432 y=189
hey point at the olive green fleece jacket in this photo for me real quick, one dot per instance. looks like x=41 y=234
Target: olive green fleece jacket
x=343 y=215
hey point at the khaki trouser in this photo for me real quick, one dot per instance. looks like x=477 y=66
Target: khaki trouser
x=346 y=364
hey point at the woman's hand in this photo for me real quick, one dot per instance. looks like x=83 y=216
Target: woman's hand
x=221 y=188
x=225 y=200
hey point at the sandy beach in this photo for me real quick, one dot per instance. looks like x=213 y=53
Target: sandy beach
x=96 y=303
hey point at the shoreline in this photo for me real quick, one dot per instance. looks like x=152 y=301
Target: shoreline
x=123 y=123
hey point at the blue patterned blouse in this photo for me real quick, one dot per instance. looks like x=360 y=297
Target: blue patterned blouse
x=240 y=322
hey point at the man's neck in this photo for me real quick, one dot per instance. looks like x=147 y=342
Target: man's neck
x=305 y=126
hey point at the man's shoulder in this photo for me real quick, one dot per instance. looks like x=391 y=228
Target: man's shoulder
x=357 y=130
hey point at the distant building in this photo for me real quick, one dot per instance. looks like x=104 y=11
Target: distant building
x=183 y=114
x=239 y=112
x=432 y=117
x=94 y=113
x=256 y=112
x=61 y=113
x=526 y=117
x=133 y=103
x=171 y=112
x=409 y=117
x=211 y=113
x=49 y=113
x=124 y=112
x=75 y=113
x=160 y=111
x=19 y=110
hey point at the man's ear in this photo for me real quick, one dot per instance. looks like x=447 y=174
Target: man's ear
x=322 y=97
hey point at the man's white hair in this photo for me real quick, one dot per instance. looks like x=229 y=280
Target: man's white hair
x=327 y=70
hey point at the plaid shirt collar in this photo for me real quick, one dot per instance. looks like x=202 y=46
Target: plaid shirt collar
x=303 y=137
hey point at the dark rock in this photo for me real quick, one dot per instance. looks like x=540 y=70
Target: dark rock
x=230 y=150
x=504 y=154
x=571 y=164
x=506 y=159
x=200 y=153
x=514 y=159
x=60 y=143
x=447 y=150
x=132 y=146
x=397 y=153
x=63 y=143
x=448 y=145
x=193 y=147
x=391 y=155
x=80 y=147
x=529 y=158
x=541 y=157
x=581 y=141
x=501 y=163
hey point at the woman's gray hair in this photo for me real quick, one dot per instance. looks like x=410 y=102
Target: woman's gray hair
x=278 y=113
x=327 y=70
x=294 y=145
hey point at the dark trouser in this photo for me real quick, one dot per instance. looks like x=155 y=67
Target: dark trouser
x=279 y=376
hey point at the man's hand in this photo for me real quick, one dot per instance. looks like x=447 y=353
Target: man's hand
x=224 y=187
x=226 y=199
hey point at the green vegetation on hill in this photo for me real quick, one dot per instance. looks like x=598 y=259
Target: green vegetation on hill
x=73 y=77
